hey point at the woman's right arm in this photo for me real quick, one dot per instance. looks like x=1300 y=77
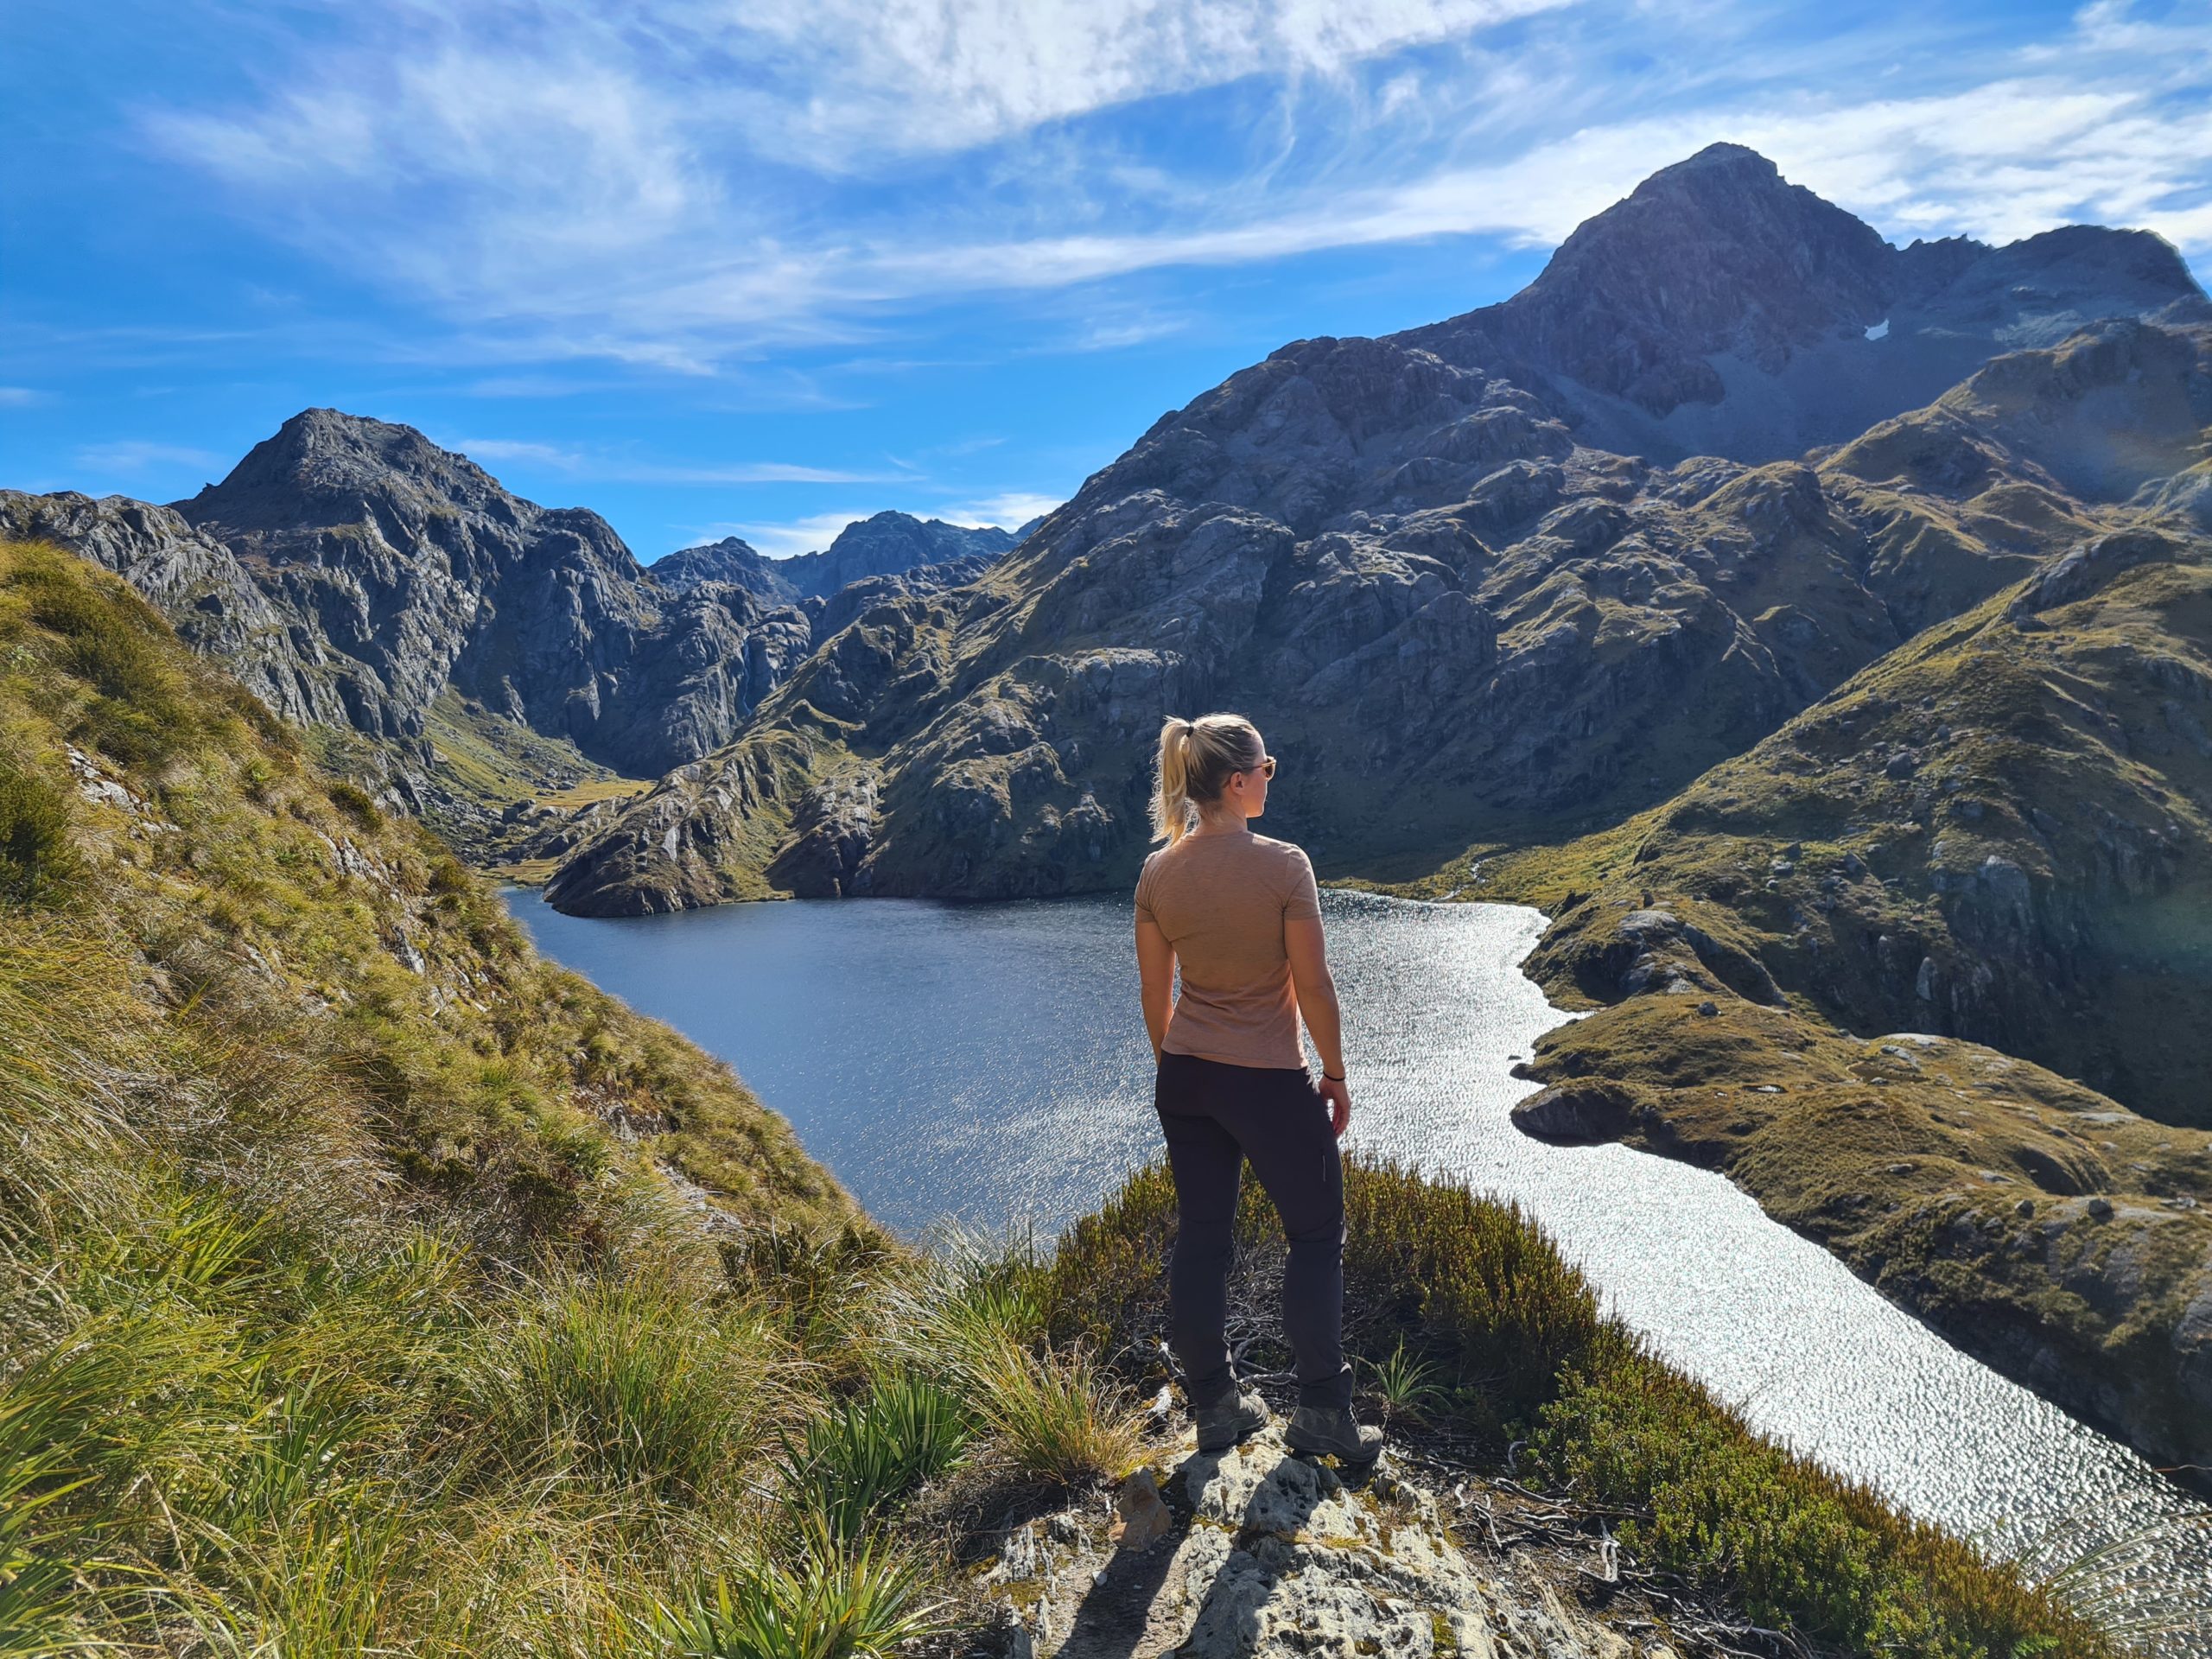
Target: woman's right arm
x=1317 y=1006
x=1155 y=980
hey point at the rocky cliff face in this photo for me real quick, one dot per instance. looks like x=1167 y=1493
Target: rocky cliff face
x=730 y=560
x=208 y=595
x=415 y=570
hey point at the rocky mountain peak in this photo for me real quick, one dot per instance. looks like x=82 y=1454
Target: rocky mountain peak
x=731 y=560
x=1715 y=254
x=1719 y=310
x=325 y=467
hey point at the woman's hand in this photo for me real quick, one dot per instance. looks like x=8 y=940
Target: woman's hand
x=1338 y=1093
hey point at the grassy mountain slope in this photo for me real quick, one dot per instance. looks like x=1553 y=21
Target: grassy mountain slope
x=203 y=859
x=2002 y=831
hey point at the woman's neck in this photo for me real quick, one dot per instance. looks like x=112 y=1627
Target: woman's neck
x=1222 y=827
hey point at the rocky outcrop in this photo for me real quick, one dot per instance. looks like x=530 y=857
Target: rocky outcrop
x=729 y=560
x=1576 y=1112
x=1259 y=1553
x=886 y=545
x=830 y=616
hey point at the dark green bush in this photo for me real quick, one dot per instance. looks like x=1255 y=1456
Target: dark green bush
x=356 y=803
x=37 y=860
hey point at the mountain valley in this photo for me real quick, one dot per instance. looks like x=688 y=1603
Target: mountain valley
x=1816 y=629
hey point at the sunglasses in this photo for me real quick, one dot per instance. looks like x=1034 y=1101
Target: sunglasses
x=1266 y=768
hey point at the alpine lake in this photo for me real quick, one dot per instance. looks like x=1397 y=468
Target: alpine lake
x=985 y=1065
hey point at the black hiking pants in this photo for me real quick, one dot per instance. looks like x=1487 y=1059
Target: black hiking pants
x=1215 y=1116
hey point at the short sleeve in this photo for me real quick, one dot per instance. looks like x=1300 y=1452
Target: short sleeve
x=1303 y=902
x=1144 y=894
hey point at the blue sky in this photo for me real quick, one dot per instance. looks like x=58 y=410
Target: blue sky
x=761 y=266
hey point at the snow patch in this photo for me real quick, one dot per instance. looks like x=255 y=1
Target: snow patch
x=1880 y=331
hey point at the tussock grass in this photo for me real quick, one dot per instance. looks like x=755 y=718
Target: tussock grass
x=1061 y=1419
x=838 y=1601
x=1471 y=1308
x=852 y=1464
x=623 y=1384
x=37 y=863
x=981 y=1320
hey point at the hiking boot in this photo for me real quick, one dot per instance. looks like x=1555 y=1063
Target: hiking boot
x=1220 y=1427
x=1332 y=1430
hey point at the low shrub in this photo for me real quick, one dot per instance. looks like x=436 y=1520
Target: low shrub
x=38 y=863
x=1458 y=1279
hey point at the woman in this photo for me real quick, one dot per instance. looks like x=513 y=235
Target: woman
x=1240 y=913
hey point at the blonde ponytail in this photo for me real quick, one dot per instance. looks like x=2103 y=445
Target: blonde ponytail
x=1196 y=757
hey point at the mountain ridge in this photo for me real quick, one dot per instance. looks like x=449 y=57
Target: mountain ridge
x=360 y=577
x=889 y=543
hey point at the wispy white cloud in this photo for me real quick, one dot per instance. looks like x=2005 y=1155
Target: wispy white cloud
x=611 y=468
x=779 y=539
x=679 y=184
x=19 y=397
x=1009 y=509
x=133 y=456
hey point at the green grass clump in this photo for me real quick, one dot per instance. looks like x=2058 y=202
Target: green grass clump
x=837 y=1601
x=355 y=803
x=857 y=1459
x=1061 y=1419
x=1471 y=1310
x=38 y=865
x=981 y=1320
x=619 y=1384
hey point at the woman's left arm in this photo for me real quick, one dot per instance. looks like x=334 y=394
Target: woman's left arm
x=1156 y=980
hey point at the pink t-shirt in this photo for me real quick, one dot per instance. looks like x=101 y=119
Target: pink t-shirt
x=1222 y=901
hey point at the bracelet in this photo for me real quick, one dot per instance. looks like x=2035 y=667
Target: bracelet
x=1330 y=1075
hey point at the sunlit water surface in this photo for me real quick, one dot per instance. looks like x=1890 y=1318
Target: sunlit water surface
x=989 y=1062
